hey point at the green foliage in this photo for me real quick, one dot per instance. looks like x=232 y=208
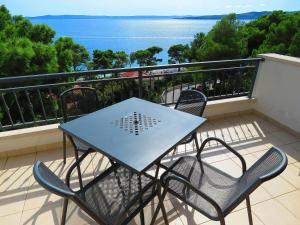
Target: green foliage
x=146 y=57
x=276 y=33
x=70 y=56
x=42 y=33
x=28 y=49
x=178 y=53
x=109 y=59
x=222 y=42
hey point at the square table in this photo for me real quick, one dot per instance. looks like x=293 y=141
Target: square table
x=135 y=133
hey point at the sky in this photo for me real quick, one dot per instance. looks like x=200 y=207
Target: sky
x=144 y=7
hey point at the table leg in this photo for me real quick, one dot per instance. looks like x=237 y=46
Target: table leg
x=142 y=217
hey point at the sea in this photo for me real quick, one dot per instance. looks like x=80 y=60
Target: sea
x=128 y=34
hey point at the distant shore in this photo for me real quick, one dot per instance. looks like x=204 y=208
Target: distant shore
x=242 y=16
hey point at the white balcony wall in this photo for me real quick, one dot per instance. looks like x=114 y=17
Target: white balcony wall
x=277 y=89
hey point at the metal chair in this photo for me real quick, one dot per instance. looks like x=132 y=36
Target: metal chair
x=193 y=102
x=76 y=102
x=112 y=198
x=213 y=192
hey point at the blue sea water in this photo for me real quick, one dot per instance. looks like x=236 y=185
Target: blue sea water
x=128 y=34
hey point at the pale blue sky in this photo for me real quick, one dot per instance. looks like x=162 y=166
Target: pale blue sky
x=144 y=7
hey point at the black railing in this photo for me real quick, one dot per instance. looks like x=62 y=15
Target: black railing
x=33 y=100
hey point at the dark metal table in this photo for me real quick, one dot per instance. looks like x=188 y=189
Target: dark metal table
x=135 y=133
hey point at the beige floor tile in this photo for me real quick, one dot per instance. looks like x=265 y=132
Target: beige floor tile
x=187 y=214
x=292 y=154
x=285 y=137
x=237 y=218
x=272 y=212
x=20 y=162
x=273 y=141
x=259 y=154
x=229 y=166
x=76 y=216
x=250 y=160
x=265 y=127
x=173 y=217
x=278 y=186
x=48 y=215
x=15 y=180
x=297 y=164
x=291 y=202
x=292 y=175
x=296 y=145
x=38 y=197
x=12 y=202
x=214 y=154
x=13 y=219
x=240 y=147
x=250 y=135
x=259 y=195
x=256 y=146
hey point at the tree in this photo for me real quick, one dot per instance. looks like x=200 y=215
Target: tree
x=109 y=59
x=70 y=56
x=276 y=33
x=178 y=53
x=196 y=46
x=294 y=48
x=146 y=57
x=41 y=33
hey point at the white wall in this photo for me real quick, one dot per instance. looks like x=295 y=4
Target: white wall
x=277 y=89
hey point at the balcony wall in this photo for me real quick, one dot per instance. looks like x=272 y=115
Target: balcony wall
x=277 y=90
x=49 y=137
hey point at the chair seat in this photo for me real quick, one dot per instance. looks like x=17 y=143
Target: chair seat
x=110 y=195
x=225 y=190
x=218 y=185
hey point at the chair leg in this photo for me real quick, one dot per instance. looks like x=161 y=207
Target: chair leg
x=222 y=221
x=64 y=212
x=249 y=210
x=142 y=217
x=160 y=206
x=78 y=169
x=65 y=148
x=161 y=202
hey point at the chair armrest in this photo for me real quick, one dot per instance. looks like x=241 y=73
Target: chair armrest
x=81 y=158
x=194 y=189
x=244 y=167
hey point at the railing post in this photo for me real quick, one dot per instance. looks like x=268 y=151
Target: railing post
x=253 y=78
x=140 y=84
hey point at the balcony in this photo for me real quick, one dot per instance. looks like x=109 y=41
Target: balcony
x=251 y=126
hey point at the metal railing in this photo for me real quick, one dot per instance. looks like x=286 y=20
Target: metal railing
x=33 y=100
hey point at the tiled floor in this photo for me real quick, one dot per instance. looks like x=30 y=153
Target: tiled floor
x=277 y=202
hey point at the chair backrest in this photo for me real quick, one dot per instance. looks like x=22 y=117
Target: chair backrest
x=47 y=179
x=191 y=101
x=270 y=165
x=77 y=102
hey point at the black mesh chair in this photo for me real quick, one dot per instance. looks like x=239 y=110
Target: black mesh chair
x=193 y=102
x=215 y=193
x=114 y=197
x=77 y=102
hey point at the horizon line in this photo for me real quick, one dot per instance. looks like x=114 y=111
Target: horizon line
x=155 y=15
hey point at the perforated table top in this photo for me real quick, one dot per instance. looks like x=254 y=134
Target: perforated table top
x=135 y=133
